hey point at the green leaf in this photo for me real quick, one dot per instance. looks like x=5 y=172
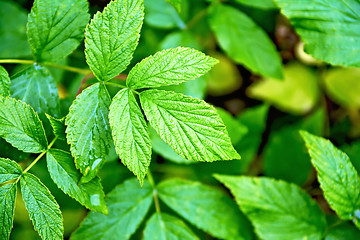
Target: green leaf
x=63 y=172
x=36 y=87
x=262 y=4
x=353 y=151
x=277 y=210
x=130 y=133
x=43 y=209
x=20 y=126
x=112 y=36
x=176 y=4
x=169 y=67
x=4 y=82
x=337 y=176
x=9 y=170
x=328 y=28
x=58 y=126
x=244 y=41
x=297 y=93
x=182 y=38
x=206 y=208
x=7 y=207
x=343 y=231
x=164 y=226
x=56 y=28
x=88 y=130
x=190 y=126
x=128 y=204
x=343 y=87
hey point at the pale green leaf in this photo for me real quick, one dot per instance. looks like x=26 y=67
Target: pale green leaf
x=337 y=176
x=244 y=41
x=329 y=28
x=277 y=210
x=4 y=82
x=182 y=38
x=176 y=4
x=43 y=209
x=20 y=126
x=262 y=4
x=36 y=87
x=56 y=28
x=112 y=36
x=128 y=204
x=64 y=173
x=190 y=126
x=7 y=207
x=9 y=170
x=169 y=67
x=130 y=133
x=205 y=207
x=164 y=227
x=58 y=126
x=297 y=93
x=88 y=130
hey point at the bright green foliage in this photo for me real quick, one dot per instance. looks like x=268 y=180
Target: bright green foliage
x=7 y=207
x=244 y=41
x=43 y=209
x=88 y=130
x=235 y=129
x=337 y=176
x=55 y=28
x=112 y=36
x=180 y=38
x=36 y=87
x=328 y=28
x=297 y=93
x=130 y=133
x=343 y=86
x=62 y=170
x=176 y=4
x=190 y=126
x=20 y=126
x=164 y=226
x=128 y=204
x=263 y=4
x=4 y=82
x=206 y=208
x=9 y=170
x=168 y=67
x=277 y=210
x=58 y=126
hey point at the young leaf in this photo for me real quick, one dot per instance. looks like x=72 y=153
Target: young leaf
x=278 y=210
x=128 y=204
x=337 y=176
x=36 y=87
x=176 y=4
x=168 y=67
x=88 y=130
x=130 y=133
x=164 y=226
x=58 y=126
x=112 y=36
x=20 y=126
x=7 y=207
x=244 y=41
x=9 y=170
x=56 y=28
x=43 y=209
x=190 y=126
x=328 y=28
x=4 y=82
x=64 y=173
x=206 y=208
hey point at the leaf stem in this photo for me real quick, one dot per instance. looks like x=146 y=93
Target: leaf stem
x=21 y=61
x=155 y=195
x=114 y=84
x=200 y=15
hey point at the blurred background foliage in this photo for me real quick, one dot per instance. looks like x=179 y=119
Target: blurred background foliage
x=265 y=88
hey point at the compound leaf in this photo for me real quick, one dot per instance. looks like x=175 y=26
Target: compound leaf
x=168 y=67
x=9 y=170
x=278 y=210
x=56 y=28
x=4 y=82
x=130 y=133
x=64 y=173
x=43 y=209
x=190 y=126
x=7 y=207
x=112 y=36
x=21 y=126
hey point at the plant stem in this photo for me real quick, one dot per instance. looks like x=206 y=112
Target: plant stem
x=155 y=195
x=17 y=61
x=114 y=84
x=200 y=15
